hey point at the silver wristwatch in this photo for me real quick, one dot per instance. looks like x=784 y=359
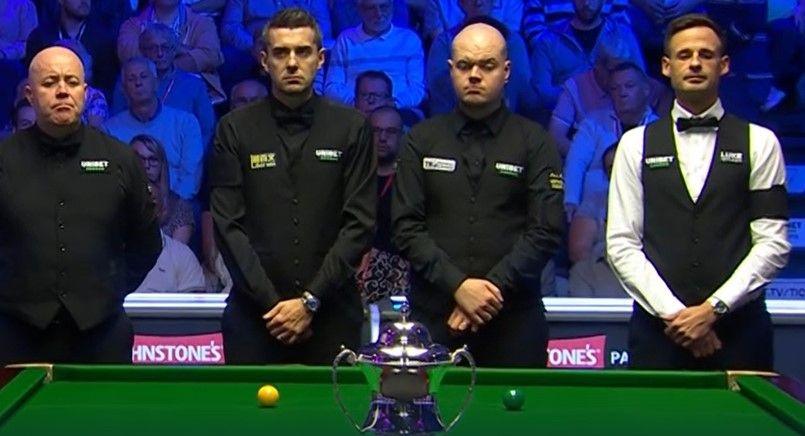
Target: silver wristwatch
x=310 y=301
x=719 y=308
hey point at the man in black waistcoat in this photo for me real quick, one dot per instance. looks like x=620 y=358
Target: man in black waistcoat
x=293 y=200
x=697 y=219
x=477 y=210
x=78 y=231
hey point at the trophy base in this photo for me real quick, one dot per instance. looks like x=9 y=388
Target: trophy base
x=392 y=417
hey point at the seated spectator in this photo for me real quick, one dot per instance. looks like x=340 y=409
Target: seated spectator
x=177 y=269
x=571 y=47
x=344 y=14
x=176 y=219
x=246 y=92
x=629 y=91
x=22 y=116
x=242 y=26
x=442 y=15
x=75 y=20
x=373 y=89
x=110 y=12
x=649 y=18
x=177 y=130
x=587 y=92
x=539 y=15
x=377 y=45
x=198 y=51
x=17 y=20
x=787 y=51
x=383 y=272
x=520 y=96
x=176 y=88
x=590 y=275
x=96 y=109
x=210 y=8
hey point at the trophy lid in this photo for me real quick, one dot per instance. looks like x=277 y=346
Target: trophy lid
x=404 y=343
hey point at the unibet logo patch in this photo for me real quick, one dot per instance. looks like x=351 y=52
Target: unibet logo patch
x=556 y=181
x=94 y=166
x=510 y=170
x=328 y=155
x=262 y=160
x=731 y=157
x=659 y=161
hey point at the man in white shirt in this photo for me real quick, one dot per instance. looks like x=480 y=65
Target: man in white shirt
x=697 y=219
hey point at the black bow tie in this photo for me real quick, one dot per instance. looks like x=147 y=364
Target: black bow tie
x=683 y=124
x=301 y=116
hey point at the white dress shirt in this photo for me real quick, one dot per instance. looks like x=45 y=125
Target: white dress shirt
x=694 y=147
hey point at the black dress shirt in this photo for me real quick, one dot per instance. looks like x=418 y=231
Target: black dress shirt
x=77 y=226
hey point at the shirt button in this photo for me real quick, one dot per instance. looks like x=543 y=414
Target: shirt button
x=472 y=199
x=62 y=273
x=61 y=226
x=61 y=203
x=63 y=249
x=472 y=219
x=695 y=240
x=295 y=200
x=295 y=221
x=296 y=261
x=477 y=163
x=297 y=283
x=295 y=241
x=472 y=239
x=696 y=264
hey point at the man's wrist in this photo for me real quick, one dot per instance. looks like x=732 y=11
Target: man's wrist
x=311 y=302
x=718 y=307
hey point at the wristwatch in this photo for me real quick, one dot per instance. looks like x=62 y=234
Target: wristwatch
x=719 y=308
x=310 y=301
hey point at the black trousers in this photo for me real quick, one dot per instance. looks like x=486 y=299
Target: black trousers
x=746 y=336
x=516 y=338
x=247 y=341
x=63 y=342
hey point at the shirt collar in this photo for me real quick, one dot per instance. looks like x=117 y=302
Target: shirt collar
x=363 y=36
x=493 y=122
x=50 y=145
x=716 y=110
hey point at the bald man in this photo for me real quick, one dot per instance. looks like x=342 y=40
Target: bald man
x=477 y=210
x=246 y=92
x=77 y=228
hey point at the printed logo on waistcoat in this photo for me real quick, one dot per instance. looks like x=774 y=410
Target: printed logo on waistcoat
x=509 y=170
x=655 y=162
x=556 y=181
x=262 y=160
x=94 y=166
x=328 y=155
x=438 y=164
x=735 y=157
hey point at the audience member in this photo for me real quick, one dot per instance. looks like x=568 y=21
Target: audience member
x=344 y=14
x=377 y=45
x=519 y=94
x=198 y=49
x=17 y=20
x=441 y=15
x=539 y=15
x=787 y=51
x=629 y=91
x=373 y=89
x=246 y=92
x=23 y=116
x=177 y=130
x=590 y=275
x=571 y=47
x=176 y=217
x=176 y=269
x=176 y=88
x=383 y=272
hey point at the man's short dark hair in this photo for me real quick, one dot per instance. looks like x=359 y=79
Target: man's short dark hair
x=690 y=21
x=629 y=65
x=373 y=74
x=293 y=18
x=18 y=106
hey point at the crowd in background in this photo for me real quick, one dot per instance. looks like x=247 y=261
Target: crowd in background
x=162 y=72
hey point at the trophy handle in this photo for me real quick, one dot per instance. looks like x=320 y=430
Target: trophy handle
x=456 y=357
x=350 y=357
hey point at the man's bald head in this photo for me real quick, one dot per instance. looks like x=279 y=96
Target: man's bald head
x=56 y=89
x=479 y=66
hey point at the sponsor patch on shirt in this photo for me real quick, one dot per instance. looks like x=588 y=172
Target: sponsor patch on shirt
x=507 y=169
x=735 y=157
x=262 y=160
x=94 y=166
x=438 y=164
x=328 y=155
x=556 y=181
x=654 y=162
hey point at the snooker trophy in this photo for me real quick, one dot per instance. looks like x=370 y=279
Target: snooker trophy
x=404 y=370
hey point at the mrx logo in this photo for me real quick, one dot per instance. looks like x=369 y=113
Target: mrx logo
x=178 y=350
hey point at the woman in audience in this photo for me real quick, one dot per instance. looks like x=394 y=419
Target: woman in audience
x=176 y=219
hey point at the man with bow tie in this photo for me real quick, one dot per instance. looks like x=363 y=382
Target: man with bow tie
x=697 y=219
x=293 y=201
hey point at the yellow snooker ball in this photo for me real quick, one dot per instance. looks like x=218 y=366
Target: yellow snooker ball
x=268 y=396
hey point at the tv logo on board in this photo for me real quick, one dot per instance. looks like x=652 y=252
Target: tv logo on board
x=585 y=352
x=178 y=350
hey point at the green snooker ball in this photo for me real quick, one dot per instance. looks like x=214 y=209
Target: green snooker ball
x=513 y=399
